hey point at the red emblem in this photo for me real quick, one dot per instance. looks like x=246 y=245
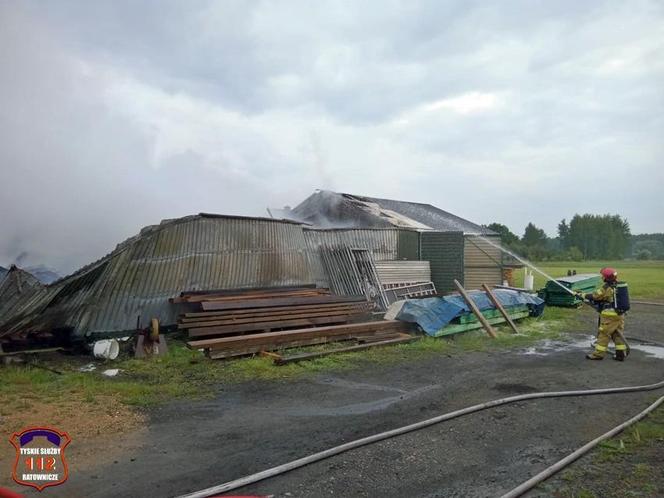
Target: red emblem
x=40 y=457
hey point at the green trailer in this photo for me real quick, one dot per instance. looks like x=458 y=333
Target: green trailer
x=554 y=295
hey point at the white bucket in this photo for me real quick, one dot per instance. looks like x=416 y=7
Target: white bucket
x=107 y=349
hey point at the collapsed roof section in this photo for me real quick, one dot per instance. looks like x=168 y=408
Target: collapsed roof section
x=17 y=288
x=327 y=209
x=199 y=252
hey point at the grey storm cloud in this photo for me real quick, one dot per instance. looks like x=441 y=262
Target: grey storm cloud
x=115 y=115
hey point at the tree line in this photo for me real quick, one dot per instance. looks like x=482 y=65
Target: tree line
x=585 y=236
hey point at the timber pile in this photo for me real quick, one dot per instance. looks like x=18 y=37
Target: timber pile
x=367 y=332
x=236 y=323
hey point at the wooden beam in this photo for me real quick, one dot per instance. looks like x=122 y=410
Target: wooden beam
x=500 y=308
x=262 y=326
x=277 y=301
x=220 y=354
x=283 y=360
x=237 y=342
x=278 y=310
x=473 y=307
x=269 y=354
x=263 y=319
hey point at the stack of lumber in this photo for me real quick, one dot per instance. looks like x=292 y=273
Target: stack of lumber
x=367 y=332
x=236 y=323
x=242 y=312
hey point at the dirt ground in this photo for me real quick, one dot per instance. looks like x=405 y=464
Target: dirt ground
x=190 y=445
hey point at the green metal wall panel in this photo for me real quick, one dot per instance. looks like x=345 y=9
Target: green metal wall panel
x=444 y=251
x=408 y=245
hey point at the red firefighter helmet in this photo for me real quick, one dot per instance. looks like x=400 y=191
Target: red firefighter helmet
x=609 y=274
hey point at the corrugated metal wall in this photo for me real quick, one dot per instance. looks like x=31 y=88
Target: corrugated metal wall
x=383 y=243
x=444 y=251
x=194 y=253
x=392 y=272
x=482 y=262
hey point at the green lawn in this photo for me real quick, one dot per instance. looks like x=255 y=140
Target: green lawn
x=645 y=278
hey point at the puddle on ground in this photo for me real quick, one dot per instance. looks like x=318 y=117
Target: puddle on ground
x=549 y=346
x=656 y=351
x=362 y=407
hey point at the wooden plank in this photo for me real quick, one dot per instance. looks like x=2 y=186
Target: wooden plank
x=500 y=308
x=250 y=297
x=291 y=335
x=197 y=296
x=378 y=337
x=274 y=309
x=218 y=354
x=347 y=308
x=256 y=326
x=30 y=351
x=471 y=304
x=264 y=319
x=268 y=354
x=264 y=303
x=284 y=360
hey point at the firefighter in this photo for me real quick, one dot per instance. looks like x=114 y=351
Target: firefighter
x=611 y=318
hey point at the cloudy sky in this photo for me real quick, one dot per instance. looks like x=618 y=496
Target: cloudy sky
x=115 y=115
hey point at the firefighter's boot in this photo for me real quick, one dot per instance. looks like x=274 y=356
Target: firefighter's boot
x=621 y=352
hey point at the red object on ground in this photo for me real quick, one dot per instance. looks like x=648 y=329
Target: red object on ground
x=7 y=493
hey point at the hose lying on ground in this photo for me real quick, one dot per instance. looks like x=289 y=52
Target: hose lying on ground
x=301 y=462
x=645 y=341
x=561 y=464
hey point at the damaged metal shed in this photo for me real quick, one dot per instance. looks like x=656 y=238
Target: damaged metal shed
x=408 y=230
x=200 y=252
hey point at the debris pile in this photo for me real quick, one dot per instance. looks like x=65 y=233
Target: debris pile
x=242 y=322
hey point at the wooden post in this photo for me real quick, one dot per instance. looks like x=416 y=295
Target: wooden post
x=500 y=308
x=471 y=304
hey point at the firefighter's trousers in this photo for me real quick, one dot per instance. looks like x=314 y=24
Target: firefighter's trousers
x=611 y=328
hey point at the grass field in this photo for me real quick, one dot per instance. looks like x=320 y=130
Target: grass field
x=645 y=278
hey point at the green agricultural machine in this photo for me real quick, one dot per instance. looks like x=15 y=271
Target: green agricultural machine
x=553 y=295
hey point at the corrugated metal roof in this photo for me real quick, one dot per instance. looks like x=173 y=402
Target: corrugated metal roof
x=328 y=209
x=17 y=288
x=136 y=279
x=427 y=215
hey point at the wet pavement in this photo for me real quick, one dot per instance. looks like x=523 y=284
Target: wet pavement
x=249 y=427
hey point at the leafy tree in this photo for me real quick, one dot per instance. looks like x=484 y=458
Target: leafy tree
x=506 y=236
x=643 y=254
x=563 y=234
x=652 y=245
x=574 y=254
x=533 y=236
x=599 y=236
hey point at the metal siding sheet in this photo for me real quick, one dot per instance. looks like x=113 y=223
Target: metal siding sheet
x=390 y=272
x=444 y=251
x=475 y=277
x=383 y=243
x=482 y=262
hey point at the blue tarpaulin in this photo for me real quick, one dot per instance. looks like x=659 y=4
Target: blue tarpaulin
x=433 y=313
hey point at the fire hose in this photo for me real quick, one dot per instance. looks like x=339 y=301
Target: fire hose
x=316 y=457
